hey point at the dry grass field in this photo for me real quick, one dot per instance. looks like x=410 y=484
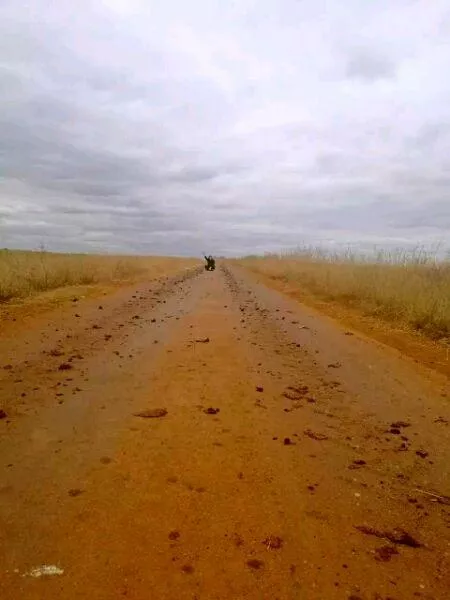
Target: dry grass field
x=411 y=290
x=24 y=274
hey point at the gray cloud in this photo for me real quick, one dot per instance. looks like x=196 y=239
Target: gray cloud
x=369 y=66
x=226 y=128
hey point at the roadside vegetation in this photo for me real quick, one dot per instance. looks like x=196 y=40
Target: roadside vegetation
x=24 y=274
x=409 y=289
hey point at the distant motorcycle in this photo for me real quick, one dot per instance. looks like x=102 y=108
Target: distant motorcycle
x=210 y=263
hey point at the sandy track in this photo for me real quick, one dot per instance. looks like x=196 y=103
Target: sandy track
x=324 y=474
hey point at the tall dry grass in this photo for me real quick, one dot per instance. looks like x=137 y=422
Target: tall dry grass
x=410 y=289
x=24 y=274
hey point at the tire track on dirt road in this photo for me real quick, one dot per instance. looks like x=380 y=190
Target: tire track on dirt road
x=286 y=466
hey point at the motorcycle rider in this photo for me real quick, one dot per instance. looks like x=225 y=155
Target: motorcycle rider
x=210 y=263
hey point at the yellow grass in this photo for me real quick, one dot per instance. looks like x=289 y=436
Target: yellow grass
x=24 y=274
x=412 y=291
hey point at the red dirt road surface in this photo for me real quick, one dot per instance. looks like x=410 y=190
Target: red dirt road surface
x=206 y=438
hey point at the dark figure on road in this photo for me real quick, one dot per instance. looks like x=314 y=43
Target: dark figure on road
x=210 y=263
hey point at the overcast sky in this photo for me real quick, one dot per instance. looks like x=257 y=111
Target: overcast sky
x=176 y=127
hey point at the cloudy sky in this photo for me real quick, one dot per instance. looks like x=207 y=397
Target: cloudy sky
x=224 y=126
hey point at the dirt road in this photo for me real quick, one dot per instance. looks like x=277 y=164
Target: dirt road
x=296 y=460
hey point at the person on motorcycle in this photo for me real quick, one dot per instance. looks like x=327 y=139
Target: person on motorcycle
x=210 y=263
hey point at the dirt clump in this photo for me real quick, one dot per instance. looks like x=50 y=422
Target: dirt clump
x=400 y=424
x=422 y=453
x=273 y=542
x=385 y=553
x=65 y=367
x=396 y=535
x=188 y=569
x=315 y=436
x=151 y=413
x=255 y=564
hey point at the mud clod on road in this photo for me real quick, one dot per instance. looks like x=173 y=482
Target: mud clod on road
x=151 y=413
